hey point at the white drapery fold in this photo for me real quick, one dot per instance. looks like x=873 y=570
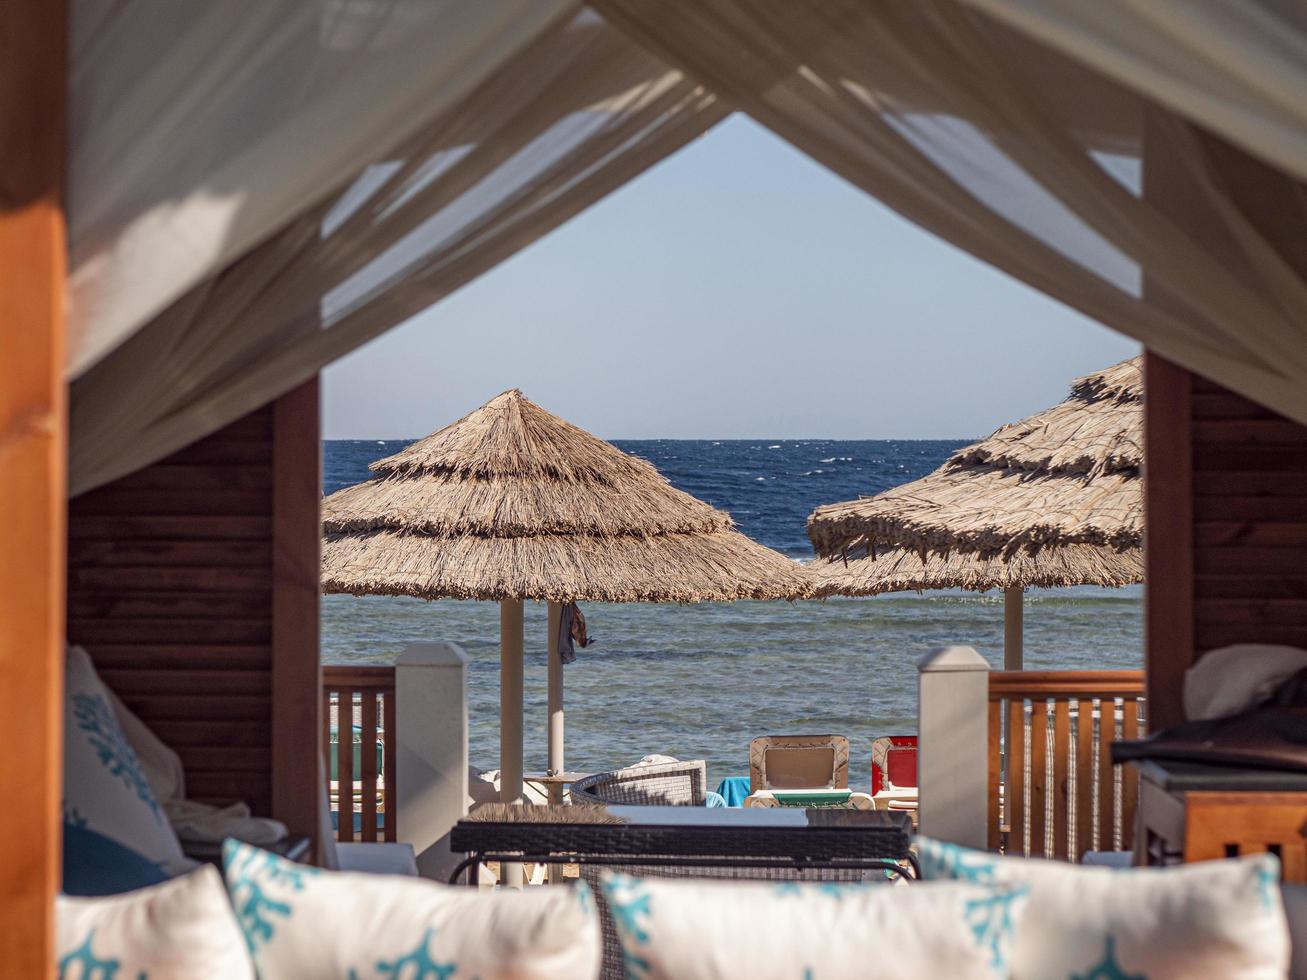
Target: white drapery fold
x=1238 y=69
x=573 y=114
x=253 y=195
x=198 y=129
x=1096 y=192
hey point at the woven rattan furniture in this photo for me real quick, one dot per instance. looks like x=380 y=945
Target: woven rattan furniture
x=782 y=837
x=662 y=784
x=688 y=842
x=798 y=762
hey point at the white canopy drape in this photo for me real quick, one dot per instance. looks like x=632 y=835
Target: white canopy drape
x=1089 y=189
x=561 y=119
x=257 y=188
x=197 y=129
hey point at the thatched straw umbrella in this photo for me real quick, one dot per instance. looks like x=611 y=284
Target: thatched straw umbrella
x=513 y=503
x=1055 y=499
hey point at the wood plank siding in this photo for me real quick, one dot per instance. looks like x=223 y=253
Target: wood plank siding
x=1250 y=522
x=1226 y=483
x=193 y=585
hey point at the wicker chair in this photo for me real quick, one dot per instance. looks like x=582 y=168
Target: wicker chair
x=798 y=762
x=664 y=784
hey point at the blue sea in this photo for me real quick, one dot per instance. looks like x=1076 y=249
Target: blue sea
x=700 y=681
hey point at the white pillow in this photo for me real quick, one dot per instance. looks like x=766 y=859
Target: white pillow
x=105 y=787
x=1233 y=679
x=710 y=930
x=182 y=929
x=303 y=922
x=163 y=766
x=1211 y=919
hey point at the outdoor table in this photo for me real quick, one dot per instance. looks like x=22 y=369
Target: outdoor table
x=553 y=782
x=685 y=836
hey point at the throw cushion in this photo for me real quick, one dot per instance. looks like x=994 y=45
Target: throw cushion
x=97 y=865
x=306 y=922
x=711 y=930
x=1211 y=919
x=182 y=929
x=105 y=787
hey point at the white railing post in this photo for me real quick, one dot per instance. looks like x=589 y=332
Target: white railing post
x=430 y=751
x=953 y=745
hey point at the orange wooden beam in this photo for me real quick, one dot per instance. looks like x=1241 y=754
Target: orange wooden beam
x=33 y=450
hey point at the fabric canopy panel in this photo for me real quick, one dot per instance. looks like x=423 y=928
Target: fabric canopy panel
x=257 y=190
x=196 y=130
x=559 y=112
x=1023 y=141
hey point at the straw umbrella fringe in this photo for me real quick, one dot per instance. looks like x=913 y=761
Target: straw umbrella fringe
x=1055 y=499
x=513 y=503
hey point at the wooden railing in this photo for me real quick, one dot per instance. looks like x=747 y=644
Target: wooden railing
x=1053 y=791
x=363 y=783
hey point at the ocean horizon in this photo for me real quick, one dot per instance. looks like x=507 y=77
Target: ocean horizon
x=699 y=681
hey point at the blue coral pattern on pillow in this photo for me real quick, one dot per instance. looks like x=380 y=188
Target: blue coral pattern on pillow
x=97 y=720
x=655 y=919
x=249 y=871
x=83 y=964
x=1219 y=918
x=105 y=786
x=301 y=922
x=630 y=906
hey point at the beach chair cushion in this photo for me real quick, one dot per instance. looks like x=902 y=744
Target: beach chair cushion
x=686 y=929
x=308 y=922
x=183 y=927
x=106 y=789
x=1210 y=919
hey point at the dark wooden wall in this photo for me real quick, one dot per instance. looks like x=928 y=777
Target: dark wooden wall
x=1226 y=490
x=193 y=584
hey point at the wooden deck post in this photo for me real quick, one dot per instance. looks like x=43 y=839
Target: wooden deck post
x=296 y=574
x=33 y=451
x=430 y=738
x=953 y=726
x=1169 y=541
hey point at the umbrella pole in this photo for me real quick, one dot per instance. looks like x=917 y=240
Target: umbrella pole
x=1014 y=600
x=555 y=722
x=510 y=719
x=555 y=701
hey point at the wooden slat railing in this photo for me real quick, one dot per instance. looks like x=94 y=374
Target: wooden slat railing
x=1053 y=791
x=367 y=696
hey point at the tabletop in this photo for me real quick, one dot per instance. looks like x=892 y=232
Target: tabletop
x=800 y=834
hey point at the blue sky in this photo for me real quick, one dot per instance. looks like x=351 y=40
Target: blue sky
x=737 y=290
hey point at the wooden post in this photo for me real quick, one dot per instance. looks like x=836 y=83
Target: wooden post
x=1169 y=538
x=296 y=588
x=510 y=718
x=1014 y=608
x=953 y=735
x=33 y=478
